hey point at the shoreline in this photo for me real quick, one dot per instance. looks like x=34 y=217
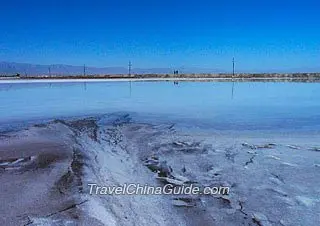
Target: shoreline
x=157 y=79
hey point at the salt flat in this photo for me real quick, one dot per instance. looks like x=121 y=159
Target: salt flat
x=261 y=140
x=273 y=178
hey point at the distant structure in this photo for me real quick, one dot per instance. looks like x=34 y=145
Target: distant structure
x=49 y=69
x=176 y=72
x=84 y=70
x=10 y=76
x=129 y=68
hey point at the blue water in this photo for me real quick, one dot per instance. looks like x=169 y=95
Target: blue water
x=219 y=105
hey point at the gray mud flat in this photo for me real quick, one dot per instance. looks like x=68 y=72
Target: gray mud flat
x=45 y=171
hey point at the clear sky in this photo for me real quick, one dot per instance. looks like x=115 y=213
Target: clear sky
x=261 y=35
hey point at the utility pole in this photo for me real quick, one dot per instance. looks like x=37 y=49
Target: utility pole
x=232 y=94
x=84 y=70
x=129 y=69
x=233 y=67
x=49 y=71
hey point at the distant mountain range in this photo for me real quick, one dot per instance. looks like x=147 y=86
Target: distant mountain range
x=24 y=69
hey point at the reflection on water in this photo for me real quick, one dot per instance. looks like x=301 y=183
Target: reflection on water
x=232 y=90
x=252 y=105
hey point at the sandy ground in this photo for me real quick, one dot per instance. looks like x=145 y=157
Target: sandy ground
x=45 y=172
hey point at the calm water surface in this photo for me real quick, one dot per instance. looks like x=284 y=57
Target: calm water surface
x=219 y=105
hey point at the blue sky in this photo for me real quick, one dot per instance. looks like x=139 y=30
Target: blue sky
x=261 y=35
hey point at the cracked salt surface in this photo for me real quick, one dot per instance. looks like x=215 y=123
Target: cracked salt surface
x=270 y=182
